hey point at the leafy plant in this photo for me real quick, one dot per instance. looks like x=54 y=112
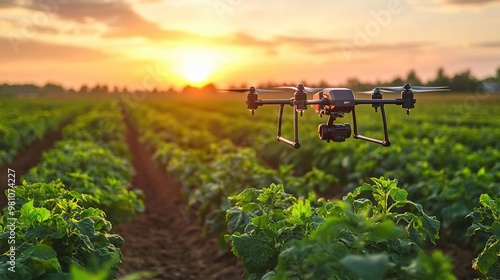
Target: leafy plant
x=487 y=219
x=18 y=129
x=88 y=168
x=278 y=236
x=53 y=232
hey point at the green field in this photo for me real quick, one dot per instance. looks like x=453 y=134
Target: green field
x=314 y=212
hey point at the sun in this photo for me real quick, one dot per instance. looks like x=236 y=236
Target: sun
x=196 y=67
x=196 y=72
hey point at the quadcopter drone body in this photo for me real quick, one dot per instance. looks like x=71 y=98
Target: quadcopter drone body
x=334 y=103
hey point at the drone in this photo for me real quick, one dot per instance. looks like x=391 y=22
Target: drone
x=334 y=103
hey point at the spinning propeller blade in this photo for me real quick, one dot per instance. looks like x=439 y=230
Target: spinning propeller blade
x=301 y=87
x=416 y=88
x=251 y=89
x=373 y=90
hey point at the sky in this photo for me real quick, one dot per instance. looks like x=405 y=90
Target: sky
x=159 y=43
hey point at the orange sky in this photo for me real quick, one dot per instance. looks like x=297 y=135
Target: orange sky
x=155 y=43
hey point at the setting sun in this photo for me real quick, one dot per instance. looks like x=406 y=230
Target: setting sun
x=196 y=67
x=196 y=72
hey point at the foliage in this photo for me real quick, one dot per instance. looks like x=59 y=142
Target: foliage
x=65 y=226
x=104 y=273
x=212 y=170
x=487 y=219
x=278 y=236
x=19 y=129
x=93 y=159
x=53 y=232
x=105 y=128
x=88 y=168
x=445 y=154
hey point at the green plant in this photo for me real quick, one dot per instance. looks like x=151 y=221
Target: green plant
x=278 y=236
x=53 y=232
x=88 y=168
x=486 y=219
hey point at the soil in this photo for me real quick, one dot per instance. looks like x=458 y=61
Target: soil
x=27 y=158
x=165 y=239
x=461 y=257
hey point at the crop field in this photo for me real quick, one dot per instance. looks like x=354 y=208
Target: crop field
x=191 y=187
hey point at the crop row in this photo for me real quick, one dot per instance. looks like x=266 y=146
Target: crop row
x=67 y=204
x=262 y=223
x=21 y=123
x=445 y=159
x=444 y=154
x=210 y=168
x=375 y=232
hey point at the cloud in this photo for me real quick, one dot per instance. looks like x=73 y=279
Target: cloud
x=271 y=45
x=343 y=47
x=453 y=6
x=470 y=2
x=490 y=44
x=14 y=50
x=7 y=4
x=119 y=17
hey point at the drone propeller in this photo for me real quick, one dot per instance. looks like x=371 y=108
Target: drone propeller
x=250 y=90
x=301 y=87
x=375 y=90
x=416 y=88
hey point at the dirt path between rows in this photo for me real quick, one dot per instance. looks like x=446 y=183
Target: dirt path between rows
x=164 y=239
x=27 y=158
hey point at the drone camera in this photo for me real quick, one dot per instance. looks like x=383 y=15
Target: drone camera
x=335 y=133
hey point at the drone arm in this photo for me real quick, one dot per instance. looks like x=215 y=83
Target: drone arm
x=261 y=102
x=322 y=101
x=396 y=101
x=385 y=142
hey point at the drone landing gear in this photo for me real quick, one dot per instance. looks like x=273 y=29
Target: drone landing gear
x=384 y=142
x=295 y=143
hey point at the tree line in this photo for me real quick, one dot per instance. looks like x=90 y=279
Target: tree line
x=460 y=82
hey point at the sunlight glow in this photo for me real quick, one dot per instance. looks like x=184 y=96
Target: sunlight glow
x=196 y=72
x=197 y=66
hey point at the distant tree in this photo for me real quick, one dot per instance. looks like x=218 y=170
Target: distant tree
x=100 y=90
x=441 y=79
x=171 y=89
x=84 y=89
x=323 y=84
x=104 y=89
x=355 y=84
x=116 y=90
x=53 y=88
x=464 y=82
x=209 y=88
x=397 y=81
x=412 y=78
x=189 y=89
